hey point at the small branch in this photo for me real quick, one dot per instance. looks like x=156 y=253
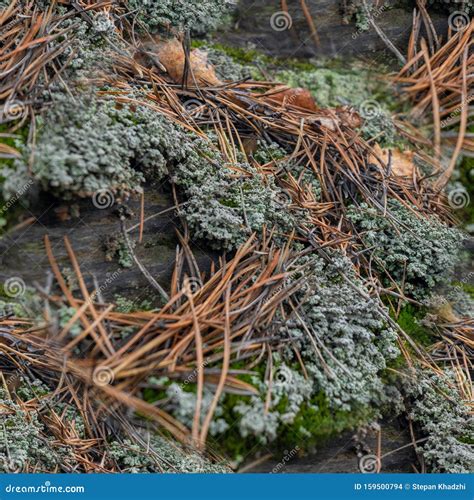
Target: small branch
x=383 y=36
x=142 y=268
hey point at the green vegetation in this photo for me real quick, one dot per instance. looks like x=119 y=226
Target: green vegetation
x=409 y=320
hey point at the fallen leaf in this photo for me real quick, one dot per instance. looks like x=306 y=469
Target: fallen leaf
x=445 y=313
x=298 y=97
x=401 y=162
x=171 y=56
x=349 y=117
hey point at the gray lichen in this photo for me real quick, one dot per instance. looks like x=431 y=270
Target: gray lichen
x=86 y=146
x=289 y=390
x=90 y=146
x=153 y=453
x=183 y=403
x=199 y=16
x=26 y=442
x=418 y=252
x=342 y=337
x=22 y=443
x=445 y=419
x=225 y=207
x=345 y=346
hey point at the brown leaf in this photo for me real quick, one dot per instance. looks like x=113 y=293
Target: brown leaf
x=171 y=55
x=349 y=117
x=298 y=97
x=401 y=162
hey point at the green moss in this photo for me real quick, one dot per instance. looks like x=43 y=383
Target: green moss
x=468 y=288
x=127 y=305
x=409 y=320
x=316 y=422
x=252 y=60
x=27 y=441
x=10 y=209
x=466 y=178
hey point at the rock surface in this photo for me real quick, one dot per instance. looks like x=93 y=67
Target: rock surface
x=22 y=252
x=338 y=455
x=263 y=24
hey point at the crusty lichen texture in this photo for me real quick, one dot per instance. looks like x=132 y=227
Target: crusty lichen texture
x=27 y=444
x=22 y=440
x=88 y=146
x=445 y=418
x=419 y=253
x=198 y=16
x=345 y=346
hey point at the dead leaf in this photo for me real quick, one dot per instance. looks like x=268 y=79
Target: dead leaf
x=401 y=162
x=445 y=313
x=298 y=97
x=326 y=121
x=349 y=117
x=170 y=54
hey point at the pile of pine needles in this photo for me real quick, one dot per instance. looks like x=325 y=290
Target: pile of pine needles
x=438 y=80
x=199 y=333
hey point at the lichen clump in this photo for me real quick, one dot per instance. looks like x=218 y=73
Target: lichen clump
x=438 y=408
x=90 y=145
x=199 y=16
x=331 y=337
x=22 y=442
x=345 y=347
x=342 y=337
x=26 y=442
x=156 y=454
x=419 y=253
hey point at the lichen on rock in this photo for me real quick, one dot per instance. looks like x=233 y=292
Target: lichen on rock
x=199 y=16
x=439 y=409
x=420 y=256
